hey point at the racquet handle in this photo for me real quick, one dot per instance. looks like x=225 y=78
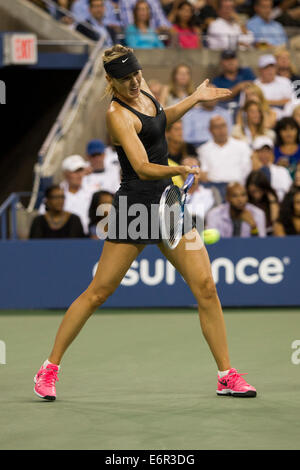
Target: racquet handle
x=189 y=181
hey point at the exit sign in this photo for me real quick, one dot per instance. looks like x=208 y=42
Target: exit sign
x=20 y=49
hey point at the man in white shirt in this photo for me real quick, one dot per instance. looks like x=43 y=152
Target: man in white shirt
x=226 y=32
x=77 y=198
x=278 y=176
x=277 y=90
x=104 y=168
x=224 y=159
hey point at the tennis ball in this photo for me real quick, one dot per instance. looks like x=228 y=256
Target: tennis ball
x=210 y=236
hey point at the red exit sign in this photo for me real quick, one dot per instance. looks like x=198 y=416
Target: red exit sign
x=20 y=49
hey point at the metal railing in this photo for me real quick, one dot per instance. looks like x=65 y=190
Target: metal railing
x=56 y=130
x=53 y=8
x=8 y=215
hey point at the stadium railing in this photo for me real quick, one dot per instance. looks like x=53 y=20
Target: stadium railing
x=60 y=127
x=8 y=215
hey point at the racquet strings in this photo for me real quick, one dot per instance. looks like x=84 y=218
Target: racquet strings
x=172 y=215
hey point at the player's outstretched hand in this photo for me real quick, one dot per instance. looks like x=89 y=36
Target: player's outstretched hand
x=205 y=92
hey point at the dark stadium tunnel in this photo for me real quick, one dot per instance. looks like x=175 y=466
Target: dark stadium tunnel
x=33 y=101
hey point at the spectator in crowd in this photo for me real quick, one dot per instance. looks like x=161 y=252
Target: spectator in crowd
x=284 y=65
x=184 y=30
x=156 y=88
x=177 y=147
x=227 y=31
x=58 y=12
x=96 y=21
x=56 y=222
x=263 y=159
x=104 y=199
x=289 y=217
x=255 y=93
x=77 y=198
x=81 y=11
x=199 y=198
x=237 y=217
x=196 y=121
x=224 y=159
x=296 y=114
x=262 y=195
x=177 y=180
x=296 y=183
x=139 y=35
x=252 y=125
x=233 y=76
x=287 y=149
x=103 y=175
x=267 y=32
x=167 y=6
x=180 y=86
x=206 y=14
x=288 y=13
x=278 y=91
x=158 y=20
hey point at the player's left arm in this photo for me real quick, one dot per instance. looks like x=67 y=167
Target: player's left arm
x=202 y=93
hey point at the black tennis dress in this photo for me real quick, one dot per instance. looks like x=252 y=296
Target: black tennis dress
x=127 y=222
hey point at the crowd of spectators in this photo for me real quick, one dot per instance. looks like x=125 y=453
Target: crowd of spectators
x=188 y=24
x=247 y=147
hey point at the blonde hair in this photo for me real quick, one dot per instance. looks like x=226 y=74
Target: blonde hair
x=281 y=50
x=110 y=54
x=260 y=127
x=296 y=109
x=172 y=86
x=259 y=93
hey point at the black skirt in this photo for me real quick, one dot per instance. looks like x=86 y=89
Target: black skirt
x=134 y=216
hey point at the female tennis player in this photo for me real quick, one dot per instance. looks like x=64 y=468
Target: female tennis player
x=136 y=123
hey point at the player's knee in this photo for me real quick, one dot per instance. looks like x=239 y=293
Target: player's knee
x=99 y=297
x=207 y=290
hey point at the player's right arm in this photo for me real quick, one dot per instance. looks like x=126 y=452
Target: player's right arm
x=124 y=129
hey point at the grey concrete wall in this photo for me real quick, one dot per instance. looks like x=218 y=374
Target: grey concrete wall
x=21 y=15
x=205 y=63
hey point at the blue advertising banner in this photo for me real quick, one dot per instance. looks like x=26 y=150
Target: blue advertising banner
x=51 y=274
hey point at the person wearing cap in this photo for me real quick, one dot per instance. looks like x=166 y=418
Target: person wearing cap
x=263 y=159
x=104 y=174
x=267 y=32
x=237 y=217
x=77 y=198
x=233 y=76
x=277 y=90
x=227 y=31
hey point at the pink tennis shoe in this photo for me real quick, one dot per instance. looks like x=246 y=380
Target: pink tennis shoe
x=233 y=384
x=45 y=381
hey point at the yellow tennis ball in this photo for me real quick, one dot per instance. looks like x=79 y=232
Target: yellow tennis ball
x=210 y=236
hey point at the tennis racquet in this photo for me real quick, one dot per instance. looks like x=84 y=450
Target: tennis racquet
x=171 y=212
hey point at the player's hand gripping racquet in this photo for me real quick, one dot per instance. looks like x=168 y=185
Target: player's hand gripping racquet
x=171 y=212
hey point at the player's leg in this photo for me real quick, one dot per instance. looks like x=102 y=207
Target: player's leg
x=115 y=260
x=191 y=260
x=194 y=266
